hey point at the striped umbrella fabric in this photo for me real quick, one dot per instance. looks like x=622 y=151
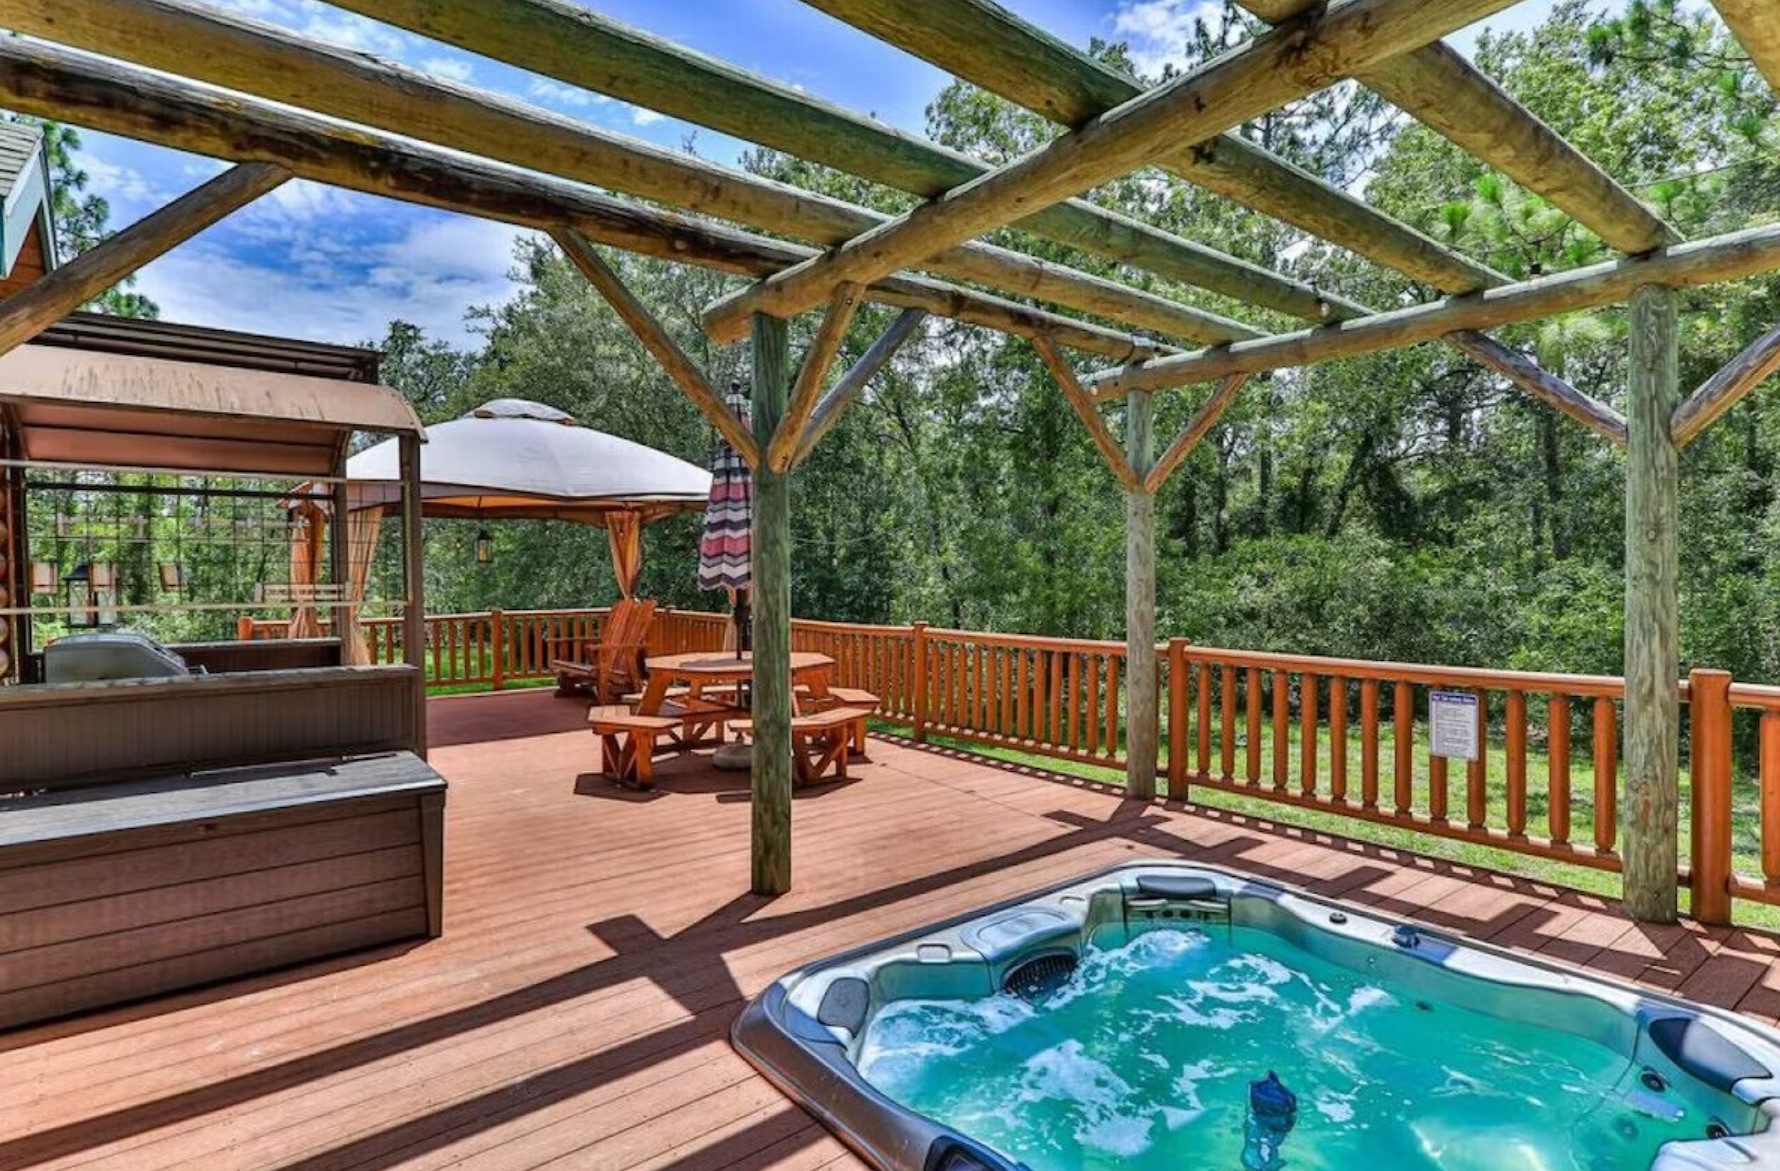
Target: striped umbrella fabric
x=723 y=549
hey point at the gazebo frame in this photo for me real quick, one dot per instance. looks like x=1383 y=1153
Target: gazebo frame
x=1392 y=46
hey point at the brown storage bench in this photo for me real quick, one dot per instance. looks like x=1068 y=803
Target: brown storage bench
x=113 y=892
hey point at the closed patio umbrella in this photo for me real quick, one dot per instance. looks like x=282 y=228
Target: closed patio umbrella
x=724 y=548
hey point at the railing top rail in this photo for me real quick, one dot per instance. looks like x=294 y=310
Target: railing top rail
x=1762 y=696
x=1594 y=686
x=1031 y=641
x=849 y=627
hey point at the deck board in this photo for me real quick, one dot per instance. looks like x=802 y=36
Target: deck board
x=598 y=943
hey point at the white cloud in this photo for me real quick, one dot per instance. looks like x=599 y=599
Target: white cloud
x=644 y=117
x=556 y=94
x=452 y=68
x=430 y=275
x=1160 y=32
x=124 y=187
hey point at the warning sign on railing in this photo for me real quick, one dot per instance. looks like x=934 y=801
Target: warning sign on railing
x=1452 y=724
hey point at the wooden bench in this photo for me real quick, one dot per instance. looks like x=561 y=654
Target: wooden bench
x=627 y=742
x=853 y=698
x=115 y=892
x=818 y=741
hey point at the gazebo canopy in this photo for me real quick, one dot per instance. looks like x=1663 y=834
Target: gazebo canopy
x=514 y=459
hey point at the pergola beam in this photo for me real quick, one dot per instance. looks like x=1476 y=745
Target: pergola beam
x=1757 y=28
x=655 y=339
x=1203 y=420
x=1289 y=62
x=1088 y=413
x=1732 y=256
x=807 y=391
x=1726 y=388
x=1438 y=87
x=51 y=82
x=852 y=384
x=1548 y=388
x=272 y=63
x=61 y=291
x=990 y=47
x=581 y=48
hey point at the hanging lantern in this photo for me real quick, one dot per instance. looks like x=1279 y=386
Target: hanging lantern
x=172 y=576
x=484 y=547
x=43 y=577
x=79 y=588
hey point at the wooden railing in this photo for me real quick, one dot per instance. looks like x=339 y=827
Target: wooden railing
x=1350 y=736
x=1345 y=737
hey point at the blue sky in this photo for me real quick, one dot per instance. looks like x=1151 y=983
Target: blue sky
x=314 y=262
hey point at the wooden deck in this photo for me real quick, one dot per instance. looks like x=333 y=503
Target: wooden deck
x=598 y=943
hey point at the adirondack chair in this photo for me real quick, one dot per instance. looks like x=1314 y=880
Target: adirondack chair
x=613 y=665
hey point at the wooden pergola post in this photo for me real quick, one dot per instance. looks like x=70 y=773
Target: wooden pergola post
x=1142 y=720
x=771 y=557
x=1649 y=800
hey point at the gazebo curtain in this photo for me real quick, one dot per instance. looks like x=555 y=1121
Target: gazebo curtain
x=625 y=531
x=306 y=536
x=362 y=527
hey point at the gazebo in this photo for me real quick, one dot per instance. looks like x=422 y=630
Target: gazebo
x=512 y=459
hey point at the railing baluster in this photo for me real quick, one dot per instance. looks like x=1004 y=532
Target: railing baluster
x=1253 y=713
x=1227 y=722
x=1403 y=748
x=1516 y=749
x=1558 y=757
x=1769 y=769
x=1055 y=731
x=1178 y=672
x=1112 y=705
x=1029 y=700
x=1606 y=774
x=1337 y=738
x=1282 y=727
x=1436 y=784
x=1307 y=733
x=1008 y=727
x=1369 y=744
x=1093 y=703
x=1477 y=771
x=1202 y=679
x=1074 y=736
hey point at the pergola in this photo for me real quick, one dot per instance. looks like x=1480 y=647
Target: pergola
x=303 y=109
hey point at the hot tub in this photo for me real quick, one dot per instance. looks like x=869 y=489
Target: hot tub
x=1167 y=1015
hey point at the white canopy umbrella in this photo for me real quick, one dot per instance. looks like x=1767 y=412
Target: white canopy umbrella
x=513 y=459
x=510 y=459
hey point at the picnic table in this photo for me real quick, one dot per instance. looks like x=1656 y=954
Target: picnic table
x=710 y=669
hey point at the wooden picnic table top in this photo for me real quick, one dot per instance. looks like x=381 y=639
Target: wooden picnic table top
x=703 y=668
x=726 y=667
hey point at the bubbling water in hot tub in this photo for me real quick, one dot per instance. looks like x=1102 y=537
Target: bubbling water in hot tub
x=1147 y=1058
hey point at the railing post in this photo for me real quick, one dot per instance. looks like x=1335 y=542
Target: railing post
x=1709 y=717
x=1177 y=719
x=244 y=628
x=497 y=642
x=919 y=714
